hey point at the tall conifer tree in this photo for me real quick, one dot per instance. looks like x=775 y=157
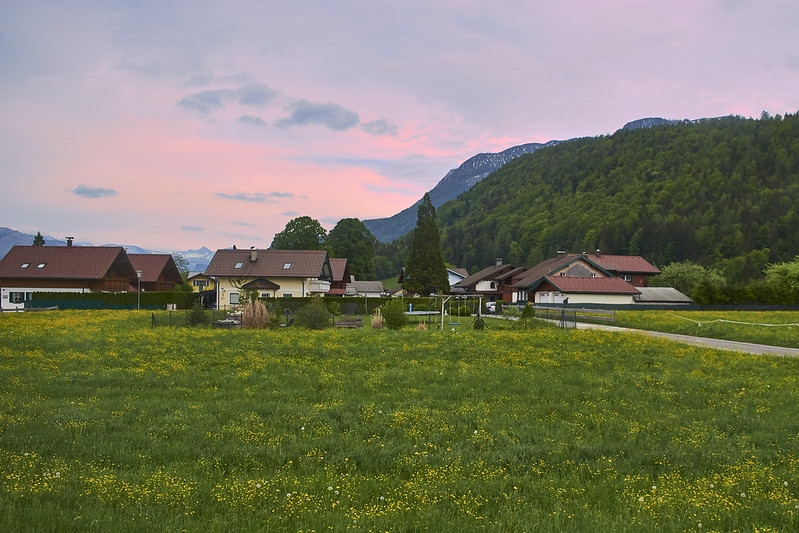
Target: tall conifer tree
x=425 y=271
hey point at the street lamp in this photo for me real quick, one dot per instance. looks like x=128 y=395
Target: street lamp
x=138 y=289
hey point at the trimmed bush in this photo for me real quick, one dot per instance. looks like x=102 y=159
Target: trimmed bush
x=313 y=316
x=394 y=316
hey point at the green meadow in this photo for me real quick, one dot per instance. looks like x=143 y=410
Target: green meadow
x=107 y=423
x=774 y=328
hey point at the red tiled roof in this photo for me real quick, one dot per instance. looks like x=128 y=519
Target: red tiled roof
x=613 y=264
x=591 y=285
x=628 y=264
x=65 y=262
x=153 y=265
x=270 y=263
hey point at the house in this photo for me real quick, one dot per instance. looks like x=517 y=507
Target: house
x=455 y=275
x=492 y=283
x=28 y=269
x=158 y=272
x=199 y=282
x=273 y=273
x=584 y=278
x=339 y=266
x=368 y=289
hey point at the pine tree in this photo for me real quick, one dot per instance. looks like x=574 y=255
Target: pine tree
x=38 y=240
x=425 y=272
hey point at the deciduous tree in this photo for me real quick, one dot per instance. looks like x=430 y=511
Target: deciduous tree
x=301 y=233
x=351 y=239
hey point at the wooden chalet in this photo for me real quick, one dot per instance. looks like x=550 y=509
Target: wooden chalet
x=28 y=269
x=159 y=272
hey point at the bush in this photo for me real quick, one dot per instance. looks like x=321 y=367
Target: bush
x=254 y=315
x=462 y=310
x=198 y=316
x=313 y=316
x=394 y=316
x=377 y=319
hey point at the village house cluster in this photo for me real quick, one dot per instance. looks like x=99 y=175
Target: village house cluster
x=565 y=279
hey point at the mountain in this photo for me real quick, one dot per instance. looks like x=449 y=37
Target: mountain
x=456 y=182
x=196 y=260
x=719 y=192
x=10 y=237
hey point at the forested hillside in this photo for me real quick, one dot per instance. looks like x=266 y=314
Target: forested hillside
x=721 y=192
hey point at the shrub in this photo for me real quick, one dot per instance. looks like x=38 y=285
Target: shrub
x=394 y=316
x=377 y=319
x=254 y=315
x=198 y=316
x=313 y=316
x=462 y=310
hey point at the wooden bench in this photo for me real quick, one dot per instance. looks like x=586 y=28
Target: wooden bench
x=350 y=322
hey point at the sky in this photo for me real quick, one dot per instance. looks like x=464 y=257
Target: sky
x=180 y=124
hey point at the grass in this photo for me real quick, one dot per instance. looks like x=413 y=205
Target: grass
x=774 y=328
x=108 y=423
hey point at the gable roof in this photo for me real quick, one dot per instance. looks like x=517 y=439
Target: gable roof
x=568 y=285
x=65 y=262
x=152 y=266
x=338 y=267
x=610 y=264
x=628 y=264
x=270 y=263
x=261 y=284
x=493 y=272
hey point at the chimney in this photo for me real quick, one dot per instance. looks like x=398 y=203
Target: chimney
x=253 y=255
x=69 y=241
x=498 y=261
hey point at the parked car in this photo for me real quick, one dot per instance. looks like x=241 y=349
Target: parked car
x=491 y=307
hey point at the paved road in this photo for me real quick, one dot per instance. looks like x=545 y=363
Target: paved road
x=746 y=347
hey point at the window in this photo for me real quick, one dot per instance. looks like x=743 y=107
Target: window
x=234 y=298
x=239 y=265
x=24 y=265
x=288 y=295
x=19 y=297
x=627 y=277
x=265 y=295
x=200 y=282
x=40 y=266
x=286 y=266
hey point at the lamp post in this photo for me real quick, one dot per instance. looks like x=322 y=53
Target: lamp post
x=138 y=290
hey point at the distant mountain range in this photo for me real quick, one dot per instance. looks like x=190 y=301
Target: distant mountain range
x=197 y=259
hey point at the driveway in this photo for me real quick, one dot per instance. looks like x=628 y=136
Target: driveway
x=747 y=347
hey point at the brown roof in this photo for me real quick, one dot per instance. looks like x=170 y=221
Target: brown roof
x=628 y=264
x=338 y=266
x=153 y=266
x=493 y=272
x=591 y=285
x=270 y=264
x=612 y=264
x=261 y=284
x=65 y=262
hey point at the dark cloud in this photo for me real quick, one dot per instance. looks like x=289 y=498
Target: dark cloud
x=380 y=126
x=256 y=197
x=333 y=116
x=251 y=120
x=254 y=94
x=204 y=101
x=93 y=192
